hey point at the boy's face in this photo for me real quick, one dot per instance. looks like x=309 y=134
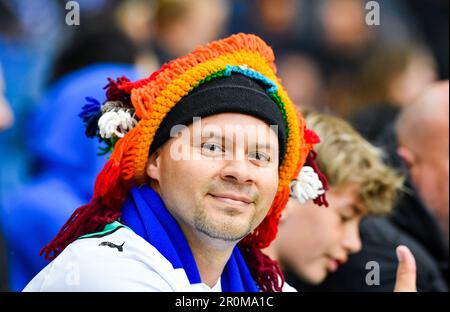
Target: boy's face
x=219 y=186
x=314 y=241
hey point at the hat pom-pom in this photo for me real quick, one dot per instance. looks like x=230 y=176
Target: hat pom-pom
x=116 y=123
x=114 y=118
x=307 y=186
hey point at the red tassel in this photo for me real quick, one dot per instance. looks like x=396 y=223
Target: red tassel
x=105 y=207
x=310 y=161
x=84 y=220
x=265 y=271
x=119 y=90
x=310 y=136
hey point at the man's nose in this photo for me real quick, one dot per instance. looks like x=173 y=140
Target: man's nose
x=238 y=170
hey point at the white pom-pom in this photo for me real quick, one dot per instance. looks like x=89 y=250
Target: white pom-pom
x=117 y=123
x=307 y=186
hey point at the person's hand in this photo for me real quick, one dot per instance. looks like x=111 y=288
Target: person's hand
x=406 y=271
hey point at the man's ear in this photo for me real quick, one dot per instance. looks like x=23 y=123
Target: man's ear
x=154 y=165
x=406 y=155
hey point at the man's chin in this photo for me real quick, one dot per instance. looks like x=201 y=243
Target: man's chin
x=226 y=231
x=217 y=220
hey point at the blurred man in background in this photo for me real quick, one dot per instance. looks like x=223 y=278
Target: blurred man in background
x=423 y=135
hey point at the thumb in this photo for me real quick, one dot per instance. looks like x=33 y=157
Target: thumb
x=406 y=271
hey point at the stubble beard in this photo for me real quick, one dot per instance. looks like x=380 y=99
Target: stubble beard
x=225 y=231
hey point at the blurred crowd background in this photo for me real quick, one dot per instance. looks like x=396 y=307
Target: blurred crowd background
x=329 y=60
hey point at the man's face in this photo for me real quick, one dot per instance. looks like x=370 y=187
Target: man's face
x=423 y=145
x=222 y=184
x=314 y=241
x=428 y=167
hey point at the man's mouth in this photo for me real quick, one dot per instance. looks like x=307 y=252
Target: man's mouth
x=233 y=199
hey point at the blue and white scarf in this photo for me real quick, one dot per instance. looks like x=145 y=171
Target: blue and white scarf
x=145 y=213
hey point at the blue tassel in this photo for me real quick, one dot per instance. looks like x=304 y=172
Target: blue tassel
x=90 y=114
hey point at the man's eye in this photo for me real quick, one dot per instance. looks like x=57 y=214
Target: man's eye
x=259 y=156
x=212 y=147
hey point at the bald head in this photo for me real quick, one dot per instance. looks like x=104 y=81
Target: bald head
x=426 y=118
x=423 y=138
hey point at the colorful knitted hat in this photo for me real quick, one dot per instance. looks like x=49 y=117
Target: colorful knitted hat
x=128 y=121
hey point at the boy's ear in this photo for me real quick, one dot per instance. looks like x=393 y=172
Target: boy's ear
x=290 y=206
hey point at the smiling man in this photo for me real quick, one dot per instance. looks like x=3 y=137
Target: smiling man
x=203 y=152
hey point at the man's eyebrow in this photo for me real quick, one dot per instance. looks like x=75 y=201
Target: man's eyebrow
x=268 y=146
x=212 y=135
x=215 y=136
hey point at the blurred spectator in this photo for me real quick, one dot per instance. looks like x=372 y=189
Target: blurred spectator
x=343 y=26
x=29 y=38
x=135 y=18
x=111 y=36
x=426 y=152
x=424 y=146
x=335 y=33
x=284 y=24
x=6 y=115
x=343 y=41
x=432 y=19
x=389 y=79
x=66 y=163
x=302 y=78
x=314 y=241
x=6 y=119
x=182 y=25
x=10 y=26
x=395 y=75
